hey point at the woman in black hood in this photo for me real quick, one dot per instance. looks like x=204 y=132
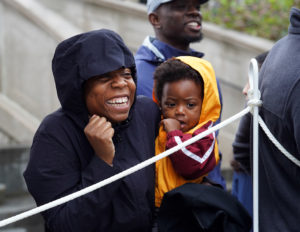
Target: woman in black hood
x=101 y=129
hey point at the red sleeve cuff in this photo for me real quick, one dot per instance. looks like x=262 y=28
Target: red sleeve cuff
x=174 y=133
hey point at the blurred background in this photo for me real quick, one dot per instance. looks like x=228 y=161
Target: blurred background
x=234 y=32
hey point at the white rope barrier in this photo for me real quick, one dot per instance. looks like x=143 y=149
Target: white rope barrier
x=276 y=143
x=121 y=174
x=253 y=104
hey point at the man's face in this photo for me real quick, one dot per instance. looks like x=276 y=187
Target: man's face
x=180 y=22
x=111 y=95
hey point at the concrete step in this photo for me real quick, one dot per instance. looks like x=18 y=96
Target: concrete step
x=14 y=230
x=14 y=197
x=16 y=205
x=2 y=192
x=13 y=161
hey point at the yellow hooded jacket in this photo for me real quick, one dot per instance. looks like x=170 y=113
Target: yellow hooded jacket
x=166 y=176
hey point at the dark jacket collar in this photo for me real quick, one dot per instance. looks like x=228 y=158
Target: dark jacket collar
x=169 y=51
x=161 y=51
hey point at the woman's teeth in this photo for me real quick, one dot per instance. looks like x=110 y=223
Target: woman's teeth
x=118 y=101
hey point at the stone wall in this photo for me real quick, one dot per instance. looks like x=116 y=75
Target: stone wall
x=30 y=30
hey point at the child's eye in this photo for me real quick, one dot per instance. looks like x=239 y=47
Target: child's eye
x=190 y=105
x=169 y=104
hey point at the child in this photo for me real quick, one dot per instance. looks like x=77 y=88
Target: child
x=186 y=90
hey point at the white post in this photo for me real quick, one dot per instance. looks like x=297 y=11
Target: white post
x=253 y=76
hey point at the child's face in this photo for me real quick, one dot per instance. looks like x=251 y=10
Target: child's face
x=182 y=100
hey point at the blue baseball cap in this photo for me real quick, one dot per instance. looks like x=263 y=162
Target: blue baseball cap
x=152 y=5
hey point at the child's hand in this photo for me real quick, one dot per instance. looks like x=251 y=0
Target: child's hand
x=99 y=133
x=170 y=124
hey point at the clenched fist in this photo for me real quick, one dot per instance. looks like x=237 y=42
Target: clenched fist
x=170 y=124
x=99 y=133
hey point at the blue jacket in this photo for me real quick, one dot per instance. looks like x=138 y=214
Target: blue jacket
x=62 y=160
x=151 y=54
x=279 y=178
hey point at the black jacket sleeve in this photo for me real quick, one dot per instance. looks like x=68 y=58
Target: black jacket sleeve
x=54 y=171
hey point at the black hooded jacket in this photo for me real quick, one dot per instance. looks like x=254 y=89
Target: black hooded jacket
x=62 y=160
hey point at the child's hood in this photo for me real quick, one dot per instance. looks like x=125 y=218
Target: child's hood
x=83 y=56
x=211 y=106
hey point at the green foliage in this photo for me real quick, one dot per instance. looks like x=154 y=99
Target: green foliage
x=264 y=18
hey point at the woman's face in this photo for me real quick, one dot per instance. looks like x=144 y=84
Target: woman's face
x=110 y=95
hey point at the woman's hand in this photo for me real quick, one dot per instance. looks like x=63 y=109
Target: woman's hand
x=170 y=124
x=99 y=133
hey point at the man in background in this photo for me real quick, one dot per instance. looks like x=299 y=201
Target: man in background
x=176 y=24
x=279 y=182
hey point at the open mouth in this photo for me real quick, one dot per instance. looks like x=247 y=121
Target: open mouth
x=194 y=25
x=118 y=102
x=182 y=124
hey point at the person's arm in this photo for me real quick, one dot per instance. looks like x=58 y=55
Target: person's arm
x=241 y=145
x=196 y=159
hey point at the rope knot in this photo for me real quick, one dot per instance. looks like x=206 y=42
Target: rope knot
x=254 y=102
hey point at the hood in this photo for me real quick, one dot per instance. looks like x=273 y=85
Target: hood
x=211 y=107
x=83 y=56
x=294 y=27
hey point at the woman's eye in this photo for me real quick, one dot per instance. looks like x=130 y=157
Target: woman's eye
x=127 y=75
x=103 y=79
